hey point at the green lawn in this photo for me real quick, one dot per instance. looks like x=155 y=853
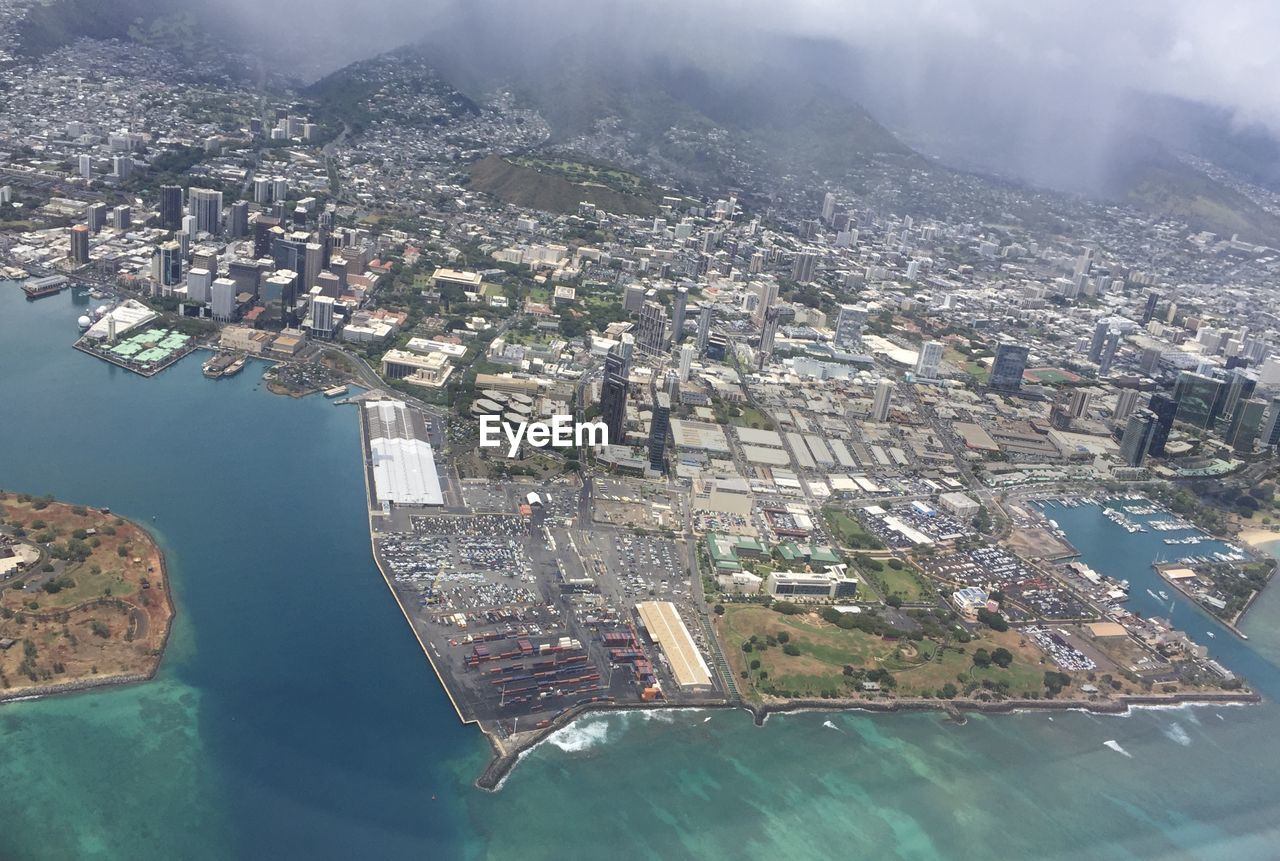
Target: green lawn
x=906 y=584
x=918 y=667
x=751 y=418
x=849 y=532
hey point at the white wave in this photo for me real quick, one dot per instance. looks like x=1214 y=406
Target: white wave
x=706 y=719
x=1050 y=720
x=829 y=725
x=1115 y=745
x=1175 y=732
x=580 y=735
x=1218 y=716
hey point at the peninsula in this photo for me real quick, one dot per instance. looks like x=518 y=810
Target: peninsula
x=84 y=598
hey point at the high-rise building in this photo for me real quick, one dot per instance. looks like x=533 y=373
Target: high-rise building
x=1100 y=332
x=1246 y=422
x=1200 y=399
x=802 y=267
x=122 y=166
x=880 y=405
x=1149 y=361
x=1271 y=424
x=849 y=324
x=828 y=207
x=171 y=207
x=929 y=360
x=199 y=283
x=322 y=317
x=223 y=298
x=1165 y=409
x=686 y=361
x=651 y=331
x=767 y=293
x=633 y=298
x=95 y=216
x=1240 y=386
x=1149 y=309
x=166 y=267
x=122 y=217
x=659 y=428
x=261 y=189
x=78 y=251
x=768 y=332
x=238 y=219
x=1126 y=404
x=1136 y=440
x=206 y=205
x=613 y=394
x=704 y=328
x=86 y=167
x=1109 y=349
x=1078 y=403
x=1008 y=366
x=679 y=305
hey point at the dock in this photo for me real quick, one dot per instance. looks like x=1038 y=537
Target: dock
x=38 y=288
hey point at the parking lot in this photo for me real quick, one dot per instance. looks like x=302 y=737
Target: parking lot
x=994 y=568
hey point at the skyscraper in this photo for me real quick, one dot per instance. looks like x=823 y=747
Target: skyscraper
x=322 y=317
x=686 y=361
x=1149 y=309
x=802 y=267
x=206 y=206
x=658 y=430
x=1126 y=403
x=1136 y=440
x=95 y=215
x=1008 y=366
x=651 y=331
x=1199 y=399
x=848 y=328
x=679 y=304
x=828 y=207
x=1165 y=409
x=929 y=361
x=78 y=251
x=238 y=219
x=166 y=266
x=768 y=332
x=1246 y=422
x=1271 y=424
x=767 y=291
x=1100 y=331
x=1109 y=349
x=613 y=394
x=884 y=394
x=171 y=207
x=704 y=328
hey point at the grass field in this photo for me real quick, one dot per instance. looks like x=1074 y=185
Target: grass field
x=849 y=532
x=906 y=584
x=751 y=418
x=919 y=668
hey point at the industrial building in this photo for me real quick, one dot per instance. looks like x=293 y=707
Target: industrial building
x=401 y=458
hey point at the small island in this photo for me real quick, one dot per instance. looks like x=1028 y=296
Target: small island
x=84 y=598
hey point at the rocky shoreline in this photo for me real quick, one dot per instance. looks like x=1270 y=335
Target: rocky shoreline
x=508 y=753
x=80 y=685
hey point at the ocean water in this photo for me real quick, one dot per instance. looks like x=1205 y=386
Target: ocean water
x=295 y=717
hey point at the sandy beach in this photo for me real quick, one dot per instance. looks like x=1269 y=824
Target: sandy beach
x=1256 y=536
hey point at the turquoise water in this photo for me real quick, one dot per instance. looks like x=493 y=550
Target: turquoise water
x=294 y=715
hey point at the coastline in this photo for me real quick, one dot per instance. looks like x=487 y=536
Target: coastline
x=506 y=758
x=1257 y=537
x=118 y=679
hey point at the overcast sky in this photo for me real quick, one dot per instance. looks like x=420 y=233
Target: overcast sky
x=1225 y=54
